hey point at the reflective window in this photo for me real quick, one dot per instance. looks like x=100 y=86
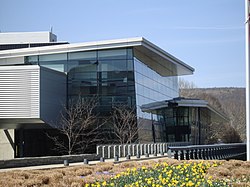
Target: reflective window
x=32 y=59
x=152 y=87
x=113 y=65
x=112 y=54
x=88 y=55
x=56 y=62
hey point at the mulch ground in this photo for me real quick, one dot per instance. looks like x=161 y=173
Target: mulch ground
x=234 y=170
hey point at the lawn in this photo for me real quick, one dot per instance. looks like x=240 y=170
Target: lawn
x=155 y=173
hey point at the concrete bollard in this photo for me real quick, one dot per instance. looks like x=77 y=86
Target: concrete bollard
x=102 y=159
x=116 y=158
x=85 y=161
x=128 y=157
x=138 y=155
x=66 y=162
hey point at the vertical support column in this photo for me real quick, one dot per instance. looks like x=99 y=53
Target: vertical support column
x=176 y=154
x=155 y=149
x=164 y=147
x=133 y=150
x=120 y=151
x=141 y=148
x=182 y=155
x=158 y=148
x=247 y=24
x=152 y=149
x=196 y=154
x=145 y=150
x=149 y=149
x=109 y=151
x=125 y=150
x=99 y=150
x=138 y=149
x=115 y=151
x=129 y=149
x=191 y=154
x=103 y=151
x=187 y=155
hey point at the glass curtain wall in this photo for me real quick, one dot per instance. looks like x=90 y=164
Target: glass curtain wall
x=106 y=73
x=151 y=87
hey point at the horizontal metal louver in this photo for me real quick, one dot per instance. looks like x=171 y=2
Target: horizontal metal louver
x=19 y=91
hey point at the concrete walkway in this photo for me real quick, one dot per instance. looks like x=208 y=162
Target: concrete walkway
x=52 y=166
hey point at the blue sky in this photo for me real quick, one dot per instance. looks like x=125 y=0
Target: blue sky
x=209 y=35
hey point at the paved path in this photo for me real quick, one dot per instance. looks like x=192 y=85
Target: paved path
x=51 y=166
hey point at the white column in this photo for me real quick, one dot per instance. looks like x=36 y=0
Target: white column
x=247 y=79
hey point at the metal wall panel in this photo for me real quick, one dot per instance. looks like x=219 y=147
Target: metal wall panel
x=52 y=95
x=19 y=91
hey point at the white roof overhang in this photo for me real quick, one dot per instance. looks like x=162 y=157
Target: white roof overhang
x=216 y=116
x=153 y=56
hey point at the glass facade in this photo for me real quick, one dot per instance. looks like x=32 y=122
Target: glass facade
x=184 y=124
x=116 y=76
x=106 y=73
x=151 y=87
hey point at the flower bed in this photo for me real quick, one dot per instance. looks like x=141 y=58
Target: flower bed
x=162 y=174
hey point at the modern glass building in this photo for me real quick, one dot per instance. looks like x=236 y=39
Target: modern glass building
x=35 y=82
x=184 y=119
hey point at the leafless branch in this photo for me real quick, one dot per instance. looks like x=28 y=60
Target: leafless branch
x=125 y=123
x=79 y=124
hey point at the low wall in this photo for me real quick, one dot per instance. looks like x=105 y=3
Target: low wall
x=34 y=161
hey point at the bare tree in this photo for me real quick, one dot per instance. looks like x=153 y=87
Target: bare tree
x=79 y=125
x=184 y=85
x=125 y=123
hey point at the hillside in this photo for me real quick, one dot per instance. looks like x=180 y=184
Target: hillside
x=230 y=101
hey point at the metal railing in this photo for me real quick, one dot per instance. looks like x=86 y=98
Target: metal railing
x=123 y=150
x=209 y=152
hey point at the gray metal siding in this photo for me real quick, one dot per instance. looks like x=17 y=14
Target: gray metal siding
x=52 y=95
x=19 y=91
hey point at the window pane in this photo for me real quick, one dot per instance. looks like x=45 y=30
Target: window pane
x=113 y=65
x=112 y=54
x=89 y=55
x=54 y=57
x=32 y=59
x=56 y=62
x=129 y=53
